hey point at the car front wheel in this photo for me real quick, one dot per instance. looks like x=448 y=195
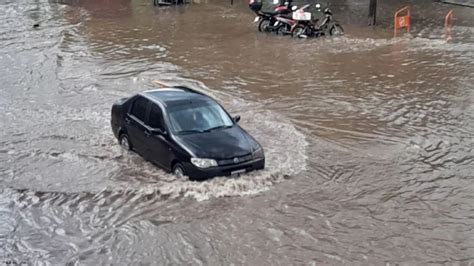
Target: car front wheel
x=178 y=170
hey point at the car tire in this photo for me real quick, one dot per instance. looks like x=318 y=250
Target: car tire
x=124 y=142
x=178 y=170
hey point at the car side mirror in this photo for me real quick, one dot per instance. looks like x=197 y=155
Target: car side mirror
x=236 y=119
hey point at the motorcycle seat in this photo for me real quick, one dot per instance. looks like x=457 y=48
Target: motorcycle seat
x=270 y=13
x=288 y=16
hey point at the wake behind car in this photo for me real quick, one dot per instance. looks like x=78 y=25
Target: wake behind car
x=185 y=132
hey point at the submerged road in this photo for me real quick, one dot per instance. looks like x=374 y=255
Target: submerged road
x=369 y=140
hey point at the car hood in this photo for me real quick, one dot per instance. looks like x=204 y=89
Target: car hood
x=218 y=144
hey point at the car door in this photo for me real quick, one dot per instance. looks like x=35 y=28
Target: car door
x=135 y=120
x=158 y=150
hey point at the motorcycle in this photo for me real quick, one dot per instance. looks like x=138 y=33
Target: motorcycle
x=286 y=23
x=311 y=28
x=266 y=20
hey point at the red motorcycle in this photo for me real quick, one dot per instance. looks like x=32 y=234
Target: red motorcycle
x=285 y=24
x=266 y=20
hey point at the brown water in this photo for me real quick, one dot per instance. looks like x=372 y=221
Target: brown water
x=369 y=140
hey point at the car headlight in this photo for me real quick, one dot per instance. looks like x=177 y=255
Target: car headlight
x=258 y=152
x=203 y=163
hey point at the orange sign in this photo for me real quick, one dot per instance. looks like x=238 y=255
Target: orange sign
x=401 y=21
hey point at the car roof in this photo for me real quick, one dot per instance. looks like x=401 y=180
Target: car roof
x=175 y=95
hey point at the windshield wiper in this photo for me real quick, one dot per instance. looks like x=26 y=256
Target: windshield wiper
x=218 y=127
x=190 y=131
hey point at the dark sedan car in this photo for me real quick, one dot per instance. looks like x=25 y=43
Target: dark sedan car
x=185 y=132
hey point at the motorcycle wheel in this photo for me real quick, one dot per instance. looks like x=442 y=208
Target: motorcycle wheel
x=264 y=25
x=282 y=30
x=336 y=29
x=298 y=32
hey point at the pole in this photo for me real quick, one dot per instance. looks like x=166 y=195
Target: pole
x=372 y=12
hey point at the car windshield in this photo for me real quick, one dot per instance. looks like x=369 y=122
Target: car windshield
x=198 y=117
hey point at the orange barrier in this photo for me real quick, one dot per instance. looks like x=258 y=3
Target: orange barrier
x=448 y=25
x=401 y=21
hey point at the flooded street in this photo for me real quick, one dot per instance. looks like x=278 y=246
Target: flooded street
x=369 y=140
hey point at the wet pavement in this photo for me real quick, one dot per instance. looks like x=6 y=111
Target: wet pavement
x=369 y=140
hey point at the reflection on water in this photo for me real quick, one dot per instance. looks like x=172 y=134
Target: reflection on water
x=368 y=140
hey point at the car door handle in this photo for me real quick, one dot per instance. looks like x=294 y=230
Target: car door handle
x=147 y=133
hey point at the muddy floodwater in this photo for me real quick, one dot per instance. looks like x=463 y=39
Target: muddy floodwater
x=369 y=140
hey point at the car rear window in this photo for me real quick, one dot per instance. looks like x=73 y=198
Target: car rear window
x=139 y=108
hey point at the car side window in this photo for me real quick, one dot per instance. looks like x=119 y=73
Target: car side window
x=139 y=108
x=156 y=117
